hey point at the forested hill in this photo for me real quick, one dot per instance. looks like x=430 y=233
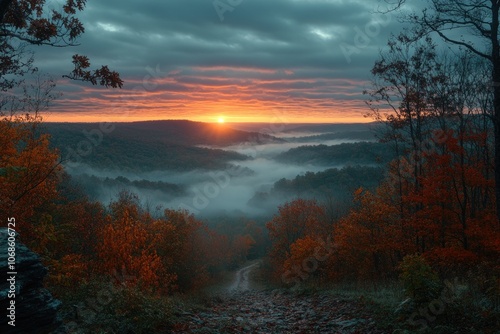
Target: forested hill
x=331 y=183
x=180 y=132
x=148 y=146
x=344 y=154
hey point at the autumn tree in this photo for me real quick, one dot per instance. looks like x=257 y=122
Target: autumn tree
x=406 y=88
x=474 y=25
x=184 y=245
x=429 y=95
x=72 y=260
x=28 y=166
x=294 y=221
x=369 y=239
x=28 y=169
x=128 y=245
x=307 y=260
x=455 y=206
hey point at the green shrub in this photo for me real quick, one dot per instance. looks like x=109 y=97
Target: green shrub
x=421 y=283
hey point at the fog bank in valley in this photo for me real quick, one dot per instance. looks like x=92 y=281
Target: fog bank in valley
x=208 y=193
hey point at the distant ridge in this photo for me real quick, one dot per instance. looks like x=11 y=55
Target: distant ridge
x=181 y=132
x=151 y=145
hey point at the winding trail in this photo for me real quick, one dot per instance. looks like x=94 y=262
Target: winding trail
x=241 y=282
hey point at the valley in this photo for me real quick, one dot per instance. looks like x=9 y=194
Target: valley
x=175 y=164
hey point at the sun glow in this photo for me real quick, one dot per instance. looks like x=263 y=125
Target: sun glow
x=220 y=120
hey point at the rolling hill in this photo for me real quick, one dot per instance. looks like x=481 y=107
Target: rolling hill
x=153 y=145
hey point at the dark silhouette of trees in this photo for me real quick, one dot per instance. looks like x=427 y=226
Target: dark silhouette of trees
x=33 y=22
x=475 y=26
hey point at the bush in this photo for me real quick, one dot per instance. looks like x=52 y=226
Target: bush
x=421 y=283
x=106 y=308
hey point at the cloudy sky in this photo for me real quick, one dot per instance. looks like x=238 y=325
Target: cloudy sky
x=244 y=60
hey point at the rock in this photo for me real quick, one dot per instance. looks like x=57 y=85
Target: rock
x=35 y=308
x=264 y=312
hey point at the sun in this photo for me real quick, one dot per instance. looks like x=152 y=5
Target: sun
x=220 y=120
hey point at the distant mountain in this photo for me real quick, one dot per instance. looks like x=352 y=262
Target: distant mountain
x=358 y=135
x=312 y=128
x=153 y=145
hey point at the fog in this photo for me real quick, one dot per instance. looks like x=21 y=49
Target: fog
x=297 y=134
x=230 y=192
x=210 y=193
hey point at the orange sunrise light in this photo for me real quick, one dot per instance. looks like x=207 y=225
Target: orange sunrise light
x=220 y=120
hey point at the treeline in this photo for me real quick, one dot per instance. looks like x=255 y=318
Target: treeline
x=334 y=181
x=334 y=185
x=93 y=185
x=358 y=135
x=344 y=154
x=111 y=152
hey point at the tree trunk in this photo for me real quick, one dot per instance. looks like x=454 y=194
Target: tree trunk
x=497 y=149
x=495 y=59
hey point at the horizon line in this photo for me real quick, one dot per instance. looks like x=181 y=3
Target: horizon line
x=207 y=122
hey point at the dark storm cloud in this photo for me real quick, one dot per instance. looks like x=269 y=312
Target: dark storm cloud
x=310 y=45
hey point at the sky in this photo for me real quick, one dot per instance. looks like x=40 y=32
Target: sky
x=231 y=60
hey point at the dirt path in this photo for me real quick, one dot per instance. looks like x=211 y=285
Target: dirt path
x=246 y=310
x=241 y=281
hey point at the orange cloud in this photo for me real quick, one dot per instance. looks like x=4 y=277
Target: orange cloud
x=199 y=93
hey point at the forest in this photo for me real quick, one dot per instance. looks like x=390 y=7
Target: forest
x=414 y=216
x=346 y=153
x=139 y=148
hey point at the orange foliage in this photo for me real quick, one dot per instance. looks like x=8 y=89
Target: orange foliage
x=28 y=170
x=307 y=254
x=295 y=220
x=125 y=247
x=445 y=213
x=369 y=238
x=69 y=271
x=179 y=240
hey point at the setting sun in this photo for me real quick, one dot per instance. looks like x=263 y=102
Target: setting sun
x=220 y=120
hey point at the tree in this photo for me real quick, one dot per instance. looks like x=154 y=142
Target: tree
x=369 y=238
x=430 y=93
x=404 y=81
x=28 y=169
x=126 y=247
x=27 y=163
x=33 y=22
x=295 y=220
x=478 y=18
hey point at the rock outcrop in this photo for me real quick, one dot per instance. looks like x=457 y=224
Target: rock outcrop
x=35 y=310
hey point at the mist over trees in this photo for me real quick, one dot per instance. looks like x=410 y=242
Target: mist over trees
x=330 y=155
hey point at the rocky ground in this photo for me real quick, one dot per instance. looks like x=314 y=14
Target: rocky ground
x=244 y=309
